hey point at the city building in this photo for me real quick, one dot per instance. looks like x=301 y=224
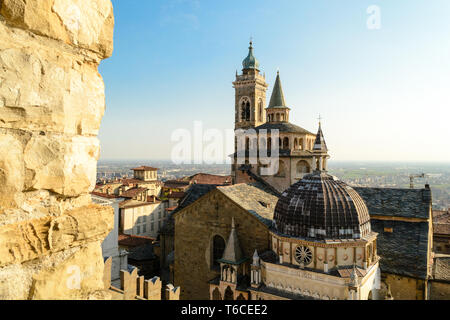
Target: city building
x=142 y=215
x=110 y=245
x=441 y=231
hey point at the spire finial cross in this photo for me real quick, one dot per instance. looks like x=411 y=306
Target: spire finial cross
x=320 y=119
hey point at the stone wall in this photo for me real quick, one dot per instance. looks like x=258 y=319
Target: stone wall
x=51 y=103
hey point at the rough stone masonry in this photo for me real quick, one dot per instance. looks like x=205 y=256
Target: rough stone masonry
x=51 y=104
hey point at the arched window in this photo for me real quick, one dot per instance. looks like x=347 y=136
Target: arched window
x=260 y=111
x=286 y=143
x=218 y=249
x=269 y=143
x=216 y=294
x=228 y=294
x=302 y=167
x=300 y=144
x=245 y=109
x=281 y=169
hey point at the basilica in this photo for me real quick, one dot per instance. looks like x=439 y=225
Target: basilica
x=299 y=233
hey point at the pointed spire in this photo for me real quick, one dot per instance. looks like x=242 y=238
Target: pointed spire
x=277 y=99
x=233 y=252
x=354 y=277
x=256 y=258
x=319 y=144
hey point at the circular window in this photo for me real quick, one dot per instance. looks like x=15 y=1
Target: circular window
x=303 y=255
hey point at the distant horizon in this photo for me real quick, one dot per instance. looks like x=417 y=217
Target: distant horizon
x=330 y=161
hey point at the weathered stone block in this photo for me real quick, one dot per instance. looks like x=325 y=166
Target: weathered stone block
x=29 y=240
x=87 y=24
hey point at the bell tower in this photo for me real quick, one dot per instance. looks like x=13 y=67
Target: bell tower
x=250 y=94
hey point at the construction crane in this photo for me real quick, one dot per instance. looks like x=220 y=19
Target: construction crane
x=413 y=176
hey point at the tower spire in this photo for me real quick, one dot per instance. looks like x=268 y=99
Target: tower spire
x=277 y=98
x=233 y=253
x=319 y=144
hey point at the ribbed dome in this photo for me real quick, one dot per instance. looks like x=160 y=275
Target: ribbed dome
x=250 y=61
x=322 y=207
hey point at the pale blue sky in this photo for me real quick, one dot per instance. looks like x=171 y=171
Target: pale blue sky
x=384 y=94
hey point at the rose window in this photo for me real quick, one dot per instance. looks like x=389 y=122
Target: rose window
x=303 y=255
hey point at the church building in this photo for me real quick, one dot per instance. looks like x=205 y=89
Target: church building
x=299 y=233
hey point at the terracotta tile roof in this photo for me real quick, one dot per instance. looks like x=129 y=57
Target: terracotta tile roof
x=176 y=195
x=144 y=168
x=176 y=184
x=104 y=195
x=345 y=272
x=131 y=193
x=441 y=216
x=131 y=203
x=133 y=181
x=171 y=208
x=134 y=241
x=205 y=178
x=153 y=199
x=441 y=222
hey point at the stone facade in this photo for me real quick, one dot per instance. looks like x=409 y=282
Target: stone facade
x=51 y=103
x=195 y=228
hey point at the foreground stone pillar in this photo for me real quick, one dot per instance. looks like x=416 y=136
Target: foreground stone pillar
x=51 y=103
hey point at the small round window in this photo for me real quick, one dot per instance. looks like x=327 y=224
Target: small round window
x=303 y=255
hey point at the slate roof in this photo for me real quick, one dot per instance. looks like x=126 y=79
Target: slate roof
x=408 y=203
x=256 y=201
x=283 y=127
x=404 y=251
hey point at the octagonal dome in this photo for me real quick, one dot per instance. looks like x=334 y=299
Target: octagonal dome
x=321 y=206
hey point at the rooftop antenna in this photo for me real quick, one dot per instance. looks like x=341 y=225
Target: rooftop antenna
x=411 y=179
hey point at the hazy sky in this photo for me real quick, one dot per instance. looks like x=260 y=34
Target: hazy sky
x=384 y=94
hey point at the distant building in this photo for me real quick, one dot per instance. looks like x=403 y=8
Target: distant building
x=142 y=215
x=110 y=246
x=441 y=231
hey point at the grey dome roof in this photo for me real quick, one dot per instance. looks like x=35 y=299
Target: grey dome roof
x=320 y=206
x=250 y=62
